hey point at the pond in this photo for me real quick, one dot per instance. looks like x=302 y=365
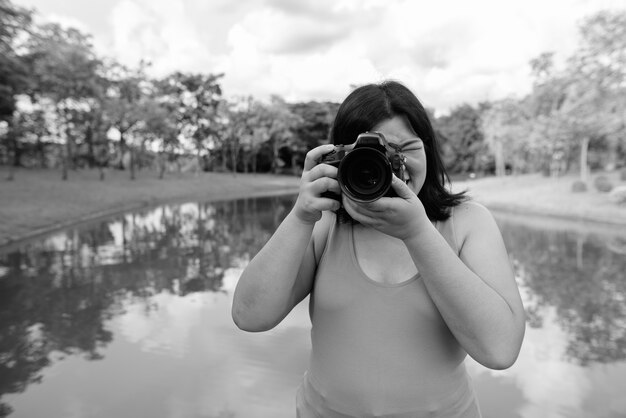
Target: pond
x=130 y=317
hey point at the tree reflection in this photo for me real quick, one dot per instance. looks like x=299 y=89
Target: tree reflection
x=582 y=275
x=57 y=295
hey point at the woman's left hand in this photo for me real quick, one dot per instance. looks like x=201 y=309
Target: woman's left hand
x=401 y=217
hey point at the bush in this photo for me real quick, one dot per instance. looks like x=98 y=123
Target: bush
x=622 y=174
x=603 y=184
x=579 y=186
x=618 y=195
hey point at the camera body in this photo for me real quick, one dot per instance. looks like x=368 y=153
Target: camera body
x=366 y=167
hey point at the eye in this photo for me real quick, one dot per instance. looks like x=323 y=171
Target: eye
x=413 y=147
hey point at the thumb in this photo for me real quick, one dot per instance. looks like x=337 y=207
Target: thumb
x=401 y=189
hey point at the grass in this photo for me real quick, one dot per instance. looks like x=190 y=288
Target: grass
x=38 y=201
x=540 y=195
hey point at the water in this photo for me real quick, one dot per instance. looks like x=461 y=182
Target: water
x=131 y=317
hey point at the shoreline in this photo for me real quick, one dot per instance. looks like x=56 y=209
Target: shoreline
x=38 y=202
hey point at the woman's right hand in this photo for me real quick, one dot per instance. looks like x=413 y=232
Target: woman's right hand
x=316 y=179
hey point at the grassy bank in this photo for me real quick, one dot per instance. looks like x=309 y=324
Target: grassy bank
x=540 y=195
x=38 y=201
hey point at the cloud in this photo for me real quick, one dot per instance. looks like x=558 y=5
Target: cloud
x=161 y=32
x=449 y=52
x=279 y=33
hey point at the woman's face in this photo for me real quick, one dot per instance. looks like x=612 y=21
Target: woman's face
x=397 y=130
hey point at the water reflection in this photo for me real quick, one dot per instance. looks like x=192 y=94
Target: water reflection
x=69 y=294
x=582 y=275
x=148 y=296
x=572 y=360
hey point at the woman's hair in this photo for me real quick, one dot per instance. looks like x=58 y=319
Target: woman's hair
x=371 y=104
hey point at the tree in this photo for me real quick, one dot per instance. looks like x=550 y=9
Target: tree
x=504 y=126
x=597 y=95
x=574 y=108
x=159 y=126
x=277 y=123
x=463 y=139
x=194 y=99
x=64 y=68
x=125 y=105
x=14 y=22
x=316 y=119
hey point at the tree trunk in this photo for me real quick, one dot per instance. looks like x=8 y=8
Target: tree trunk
x=11 y=140
x=275 y=157
x=65 y=159
x=90 y=148
x=224 y=168
x=69 y=151
x=499 y=157
x=162 y=161
x=121 y=151
x=41 y=151
x=12 y=167
x=294 y=166
x=234 y=154
x=131 y=162
x=611 y=158
x=246 y=162
x=254 y=158
x=200 y=166
x=584 y=168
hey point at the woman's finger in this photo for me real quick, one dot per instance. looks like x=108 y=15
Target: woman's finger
x=401 y=188
x=324 y=184
x=313 y=156
x=322 y=170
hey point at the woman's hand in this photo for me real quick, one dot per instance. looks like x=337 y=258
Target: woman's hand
x=316 y=179
x=401 y=217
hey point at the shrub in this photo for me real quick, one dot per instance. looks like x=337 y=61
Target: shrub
x=603 y=184
x=618 y=195
x=579 y=186
x=622 y=174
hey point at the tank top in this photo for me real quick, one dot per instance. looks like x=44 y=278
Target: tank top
x=380 y=350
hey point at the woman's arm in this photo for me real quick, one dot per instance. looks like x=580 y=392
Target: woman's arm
x=281 y=274
x=475 y=292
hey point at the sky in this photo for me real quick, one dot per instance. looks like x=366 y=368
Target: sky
x=449 y=52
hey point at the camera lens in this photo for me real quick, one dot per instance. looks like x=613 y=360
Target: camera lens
x=365 y=174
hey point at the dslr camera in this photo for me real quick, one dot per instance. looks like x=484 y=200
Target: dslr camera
x=366 y=167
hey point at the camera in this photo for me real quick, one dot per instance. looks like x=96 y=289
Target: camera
x=366 y=167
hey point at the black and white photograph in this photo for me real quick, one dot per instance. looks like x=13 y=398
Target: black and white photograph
x=312 y=209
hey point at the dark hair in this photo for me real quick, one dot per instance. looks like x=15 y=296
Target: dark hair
x=371 y=104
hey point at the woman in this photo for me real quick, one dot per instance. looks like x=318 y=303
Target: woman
x=400 y=295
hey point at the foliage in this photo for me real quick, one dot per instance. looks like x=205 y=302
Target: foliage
x=602 y=184
x=463 y=141
x=504 y=125
x=618 y=195
x=573 y=117
x=14 y=23
x=193 y=100
x=583 y=105
x=579 y=186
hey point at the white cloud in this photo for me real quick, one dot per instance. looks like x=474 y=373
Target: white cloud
x=448 y=51
x=161 y=32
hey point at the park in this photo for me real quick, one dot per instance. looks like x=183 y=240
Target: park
x=131 y=203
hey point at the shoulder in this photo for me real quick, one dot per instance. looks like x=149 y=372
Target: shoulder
x=321 y=232
x=473 y=220
x=470 y=210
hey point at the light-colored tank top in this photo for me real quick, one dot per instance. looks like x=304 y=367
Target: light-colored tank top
x=380 y=350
